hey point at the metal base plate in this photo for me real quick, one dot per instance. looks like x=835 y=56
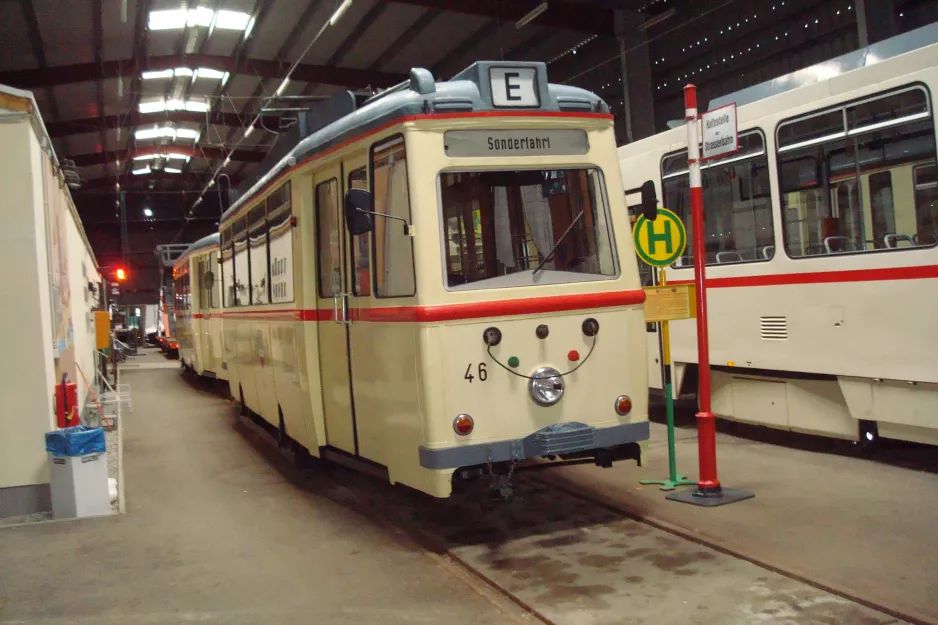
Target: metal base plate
x=728 y=495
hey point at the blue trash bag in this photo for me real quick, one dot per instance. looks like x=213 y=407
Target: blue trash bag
x=78 y=440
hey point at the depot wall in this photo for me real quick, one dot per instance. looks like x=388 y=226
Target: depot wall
x=45 y=268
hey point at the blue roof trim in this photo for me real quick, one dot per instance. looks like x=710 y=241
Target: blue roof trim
x=864 y=57
x=468 y=91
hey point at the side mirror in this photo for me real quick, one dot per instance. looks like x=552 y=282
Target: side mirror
x=649 y=201
x=209 y=279
x=358 y=211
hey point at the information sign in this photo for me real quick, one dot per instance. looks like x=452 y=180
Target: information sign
x=720 y=135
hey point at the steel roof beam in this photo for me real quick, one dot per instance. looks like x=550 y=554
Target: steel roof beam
x=89 y=72
x=91 y=124
x=560 y=14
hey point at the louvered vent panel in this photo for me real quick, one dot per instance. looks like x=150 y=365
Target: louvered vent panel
x=774 y=328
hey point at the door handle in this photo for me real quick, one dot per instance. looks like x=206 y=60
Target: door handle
x=335 y=308
x=345 y=318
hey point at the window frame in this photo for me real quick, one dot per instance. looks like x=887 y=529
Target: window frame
x=376 y=145
x=705 y=165
x=846 y=133
x=235 y=234
x=281 y=216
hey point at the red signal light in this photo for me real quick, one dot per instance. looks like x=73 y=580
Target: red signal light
x=120 y=274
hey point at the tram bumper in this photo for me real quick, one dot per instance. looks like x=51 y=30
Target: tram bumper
x=568 y=441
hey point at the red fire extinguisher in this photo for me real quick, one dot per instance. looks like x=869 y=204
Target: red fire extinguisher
x=66 y=403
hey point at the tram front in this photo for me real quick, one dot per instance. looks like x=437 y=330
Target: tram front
x=531 y=342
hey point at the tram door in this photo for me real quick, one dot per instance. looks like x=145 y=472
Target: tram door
x=332 y=285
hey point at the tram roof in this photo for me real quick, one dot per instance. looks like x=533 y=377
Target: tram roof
x=468 y=91
x=211 y=240
x=864 y=57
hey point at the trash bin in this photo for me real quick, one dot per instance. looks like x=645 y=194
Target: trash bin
x=78 y=472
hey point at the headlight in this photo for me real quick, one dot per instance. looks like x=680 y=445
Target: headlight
x=546 y=386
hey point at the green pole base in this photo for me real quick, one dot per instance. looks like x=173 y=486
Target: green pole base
x=671 y=484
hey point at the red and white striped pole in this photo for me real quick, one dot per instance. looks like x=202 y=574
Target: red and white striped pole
x=708 y=491
x=707 y=483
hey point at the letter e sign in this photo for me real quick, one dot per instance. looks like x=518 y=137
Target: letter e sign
x=514 y=86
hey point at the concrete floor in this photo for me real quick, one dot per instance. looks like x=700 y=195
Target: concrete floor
x=863 y=527
x=215 y=534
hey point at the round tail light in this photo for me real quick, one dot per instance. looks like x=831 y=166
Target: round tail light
x=623 y=405
x=463 y=424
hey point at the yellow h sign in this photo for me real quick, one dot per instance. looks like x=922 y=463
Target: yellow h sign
x=662 y=241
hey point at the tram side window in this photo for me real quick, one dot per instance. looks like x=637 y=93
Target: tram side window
x=211 y=289
x=281 y=255
x=393 y=250
x=737 y=203
x=925 y=179
x=242 y=276
x=361 y=270
x=257 y=256
x=847 y=176
x=327 y=238
x=227 y=269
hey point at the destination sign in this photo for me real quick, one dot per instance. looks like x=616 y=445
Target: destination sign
x=514 y=86
x=719 y=132
x=468 y=143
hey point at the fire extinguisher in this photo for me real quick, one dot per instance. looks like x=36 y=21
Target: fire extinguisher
x=66 y=403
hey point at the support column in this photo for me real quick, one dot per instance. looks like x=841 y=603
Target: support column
x=636 y=77
x=876 y=20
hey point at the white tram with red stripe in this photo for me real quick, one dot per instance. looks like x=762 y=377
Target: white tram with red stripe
x=821 y=240
x=440 y=283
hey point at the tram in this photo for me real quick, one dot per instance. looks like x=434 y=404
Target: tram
x=198 y=308
x=821 y=237
x=439 y=284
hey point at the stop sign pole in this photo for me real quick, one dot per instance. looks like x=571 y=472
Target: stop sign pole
x=708 y=492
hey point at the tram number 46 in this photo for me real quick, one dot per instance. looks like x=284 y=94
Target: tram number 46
x=480 y=369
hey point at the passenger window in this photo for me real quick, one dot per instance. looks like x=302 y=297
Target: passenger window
x=257 y=241
x=393 y=249
x=281 y=256
x=361 y=270
x=851 y=187
x=327 y=240
x=739 y=223
x=925 y=179
x=211 y=292
x=227 y=268
x=242 y=276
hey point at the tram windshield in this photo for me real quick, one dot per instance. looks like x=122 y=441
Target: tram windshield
x=524 y=227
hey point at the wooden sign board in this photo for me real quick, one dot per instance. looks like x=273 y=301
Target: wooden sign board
x=670 y=303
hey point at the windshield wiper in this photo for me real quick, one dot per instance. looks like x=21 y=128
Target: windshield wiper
x=557 y=244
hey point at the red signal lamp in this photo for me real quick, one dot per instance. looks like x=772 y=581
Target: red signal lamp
x=120 y=274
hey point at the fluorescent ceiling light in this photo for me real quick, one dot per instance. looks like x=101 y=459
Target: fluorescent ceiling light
x=187 y=133
x=247 y=133
x=153 y=106
x=147 y=212
x=340 y=12
x=175 y=156
x=183 y=71
x=200 y=16
x=197 y=106
x=163 y=73
x=165 y=20
x=145 y=170
x=172 y=170
x=531 y=15
x=145 y=157
x=283 y=86
x=208 y=72
x=153 y=133
x=232 y=20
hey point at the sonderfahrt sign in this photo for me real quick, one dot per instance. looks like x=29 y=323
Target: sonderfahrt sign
x=720 y=136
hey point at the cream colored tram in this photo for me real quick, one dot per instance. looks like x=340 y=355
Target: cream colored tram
x=821 y=248
x=197 y=308
x=440 y=284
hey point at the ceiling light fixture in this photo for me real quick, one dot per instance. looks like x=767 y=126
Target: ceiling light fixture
x=232 y=20
x=139 y=172
x=531 y=15
x=340 y=12
x=172 y=170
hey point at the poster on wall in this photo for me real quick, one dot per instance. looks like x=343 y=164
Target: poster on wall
x=57 y=240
